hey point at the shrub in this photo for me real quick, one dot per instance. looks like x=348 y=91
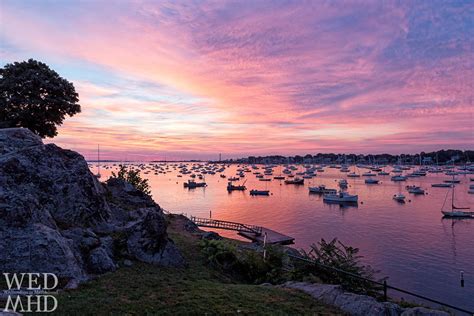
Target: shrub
x=244 y=264
x=134 y=178
x=337 y=255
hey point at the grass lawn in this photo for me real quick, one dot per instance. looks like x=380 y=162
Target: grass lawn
x=197 y=289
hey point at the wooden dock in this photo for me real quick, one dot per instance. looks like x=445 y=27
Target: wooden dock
x=272 y=237
x=254 y=233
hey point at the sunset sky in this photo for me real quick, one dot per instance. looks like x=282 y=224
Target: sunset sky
x=192 y=79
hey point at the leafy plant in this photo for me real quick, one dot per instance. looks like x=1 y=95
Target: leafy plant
x=335 y=254
x=134 y=178
x=245 y=264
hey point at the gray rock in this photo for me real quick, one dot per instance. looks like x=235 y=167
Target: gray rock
x=422 y=311
x=100 y=262
x=39 y=248
x=355 y=304
x=127 y=263
x=47 y=184
x=55 y=216
x=147 y=241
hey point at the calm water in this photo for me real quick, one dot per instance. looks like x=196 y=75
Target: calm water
x=410 y=243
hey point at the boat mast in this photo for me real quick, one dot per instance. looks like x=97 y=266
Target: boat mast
x=98 y=160
x=452 y=191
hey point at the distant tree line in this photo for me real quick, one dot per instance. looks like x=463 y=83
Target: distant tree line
x=440 y=157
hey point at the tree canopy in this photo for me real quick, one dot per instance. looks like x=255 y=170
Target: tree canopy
x=34 y=96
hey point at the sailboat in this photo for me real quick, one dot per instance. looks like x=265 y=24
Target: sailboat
x=399 y=197
x=98 y=162
x=456 y=212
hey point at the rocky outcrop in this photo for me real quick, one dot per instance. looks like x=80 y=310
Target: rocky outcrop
x=358 y=305
x=55 y=216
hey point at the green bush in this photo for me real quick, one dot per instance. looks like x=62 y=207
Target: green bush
x=337 y=255
x=245 y=264
x=134 y=178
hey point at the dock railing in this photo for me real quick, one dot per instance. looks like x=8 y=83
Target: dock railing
x=218 y=224
x=384 y=285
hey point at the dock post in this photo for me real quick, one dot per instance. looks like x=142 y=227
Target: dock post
x=264 y=246
x=385 y=290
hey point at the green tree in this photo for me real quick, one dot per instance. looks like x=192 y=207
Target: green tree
x=34 y=96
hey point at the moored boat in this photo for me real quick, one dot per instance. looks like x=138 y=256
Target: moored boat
x=455 y=212
x=353 y=175
x=321 y=190
x=399 y=198
x=231 y=187
x=398 y=178
x=415 y=189
x=442 y=185
x=452 y=181
x=259 y=192
x=340 y=197
x=371 y=181
x=296 y=180
x=191 y=184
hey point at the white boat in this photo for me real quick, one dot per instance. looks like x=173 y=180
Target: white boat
x=399 y=198
x=297 y=181
x=321 y=189
x=340 y=197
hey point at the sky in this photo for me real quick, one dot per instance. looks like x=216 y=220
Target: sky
x=192 y=79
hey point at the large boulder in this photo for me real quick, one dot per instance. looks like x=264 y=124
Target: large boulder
x=55 y=216
x=47 y=184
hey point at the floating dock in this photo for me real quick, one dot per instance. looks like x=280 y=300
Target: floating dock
x=252 y=232
x=272 y=237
